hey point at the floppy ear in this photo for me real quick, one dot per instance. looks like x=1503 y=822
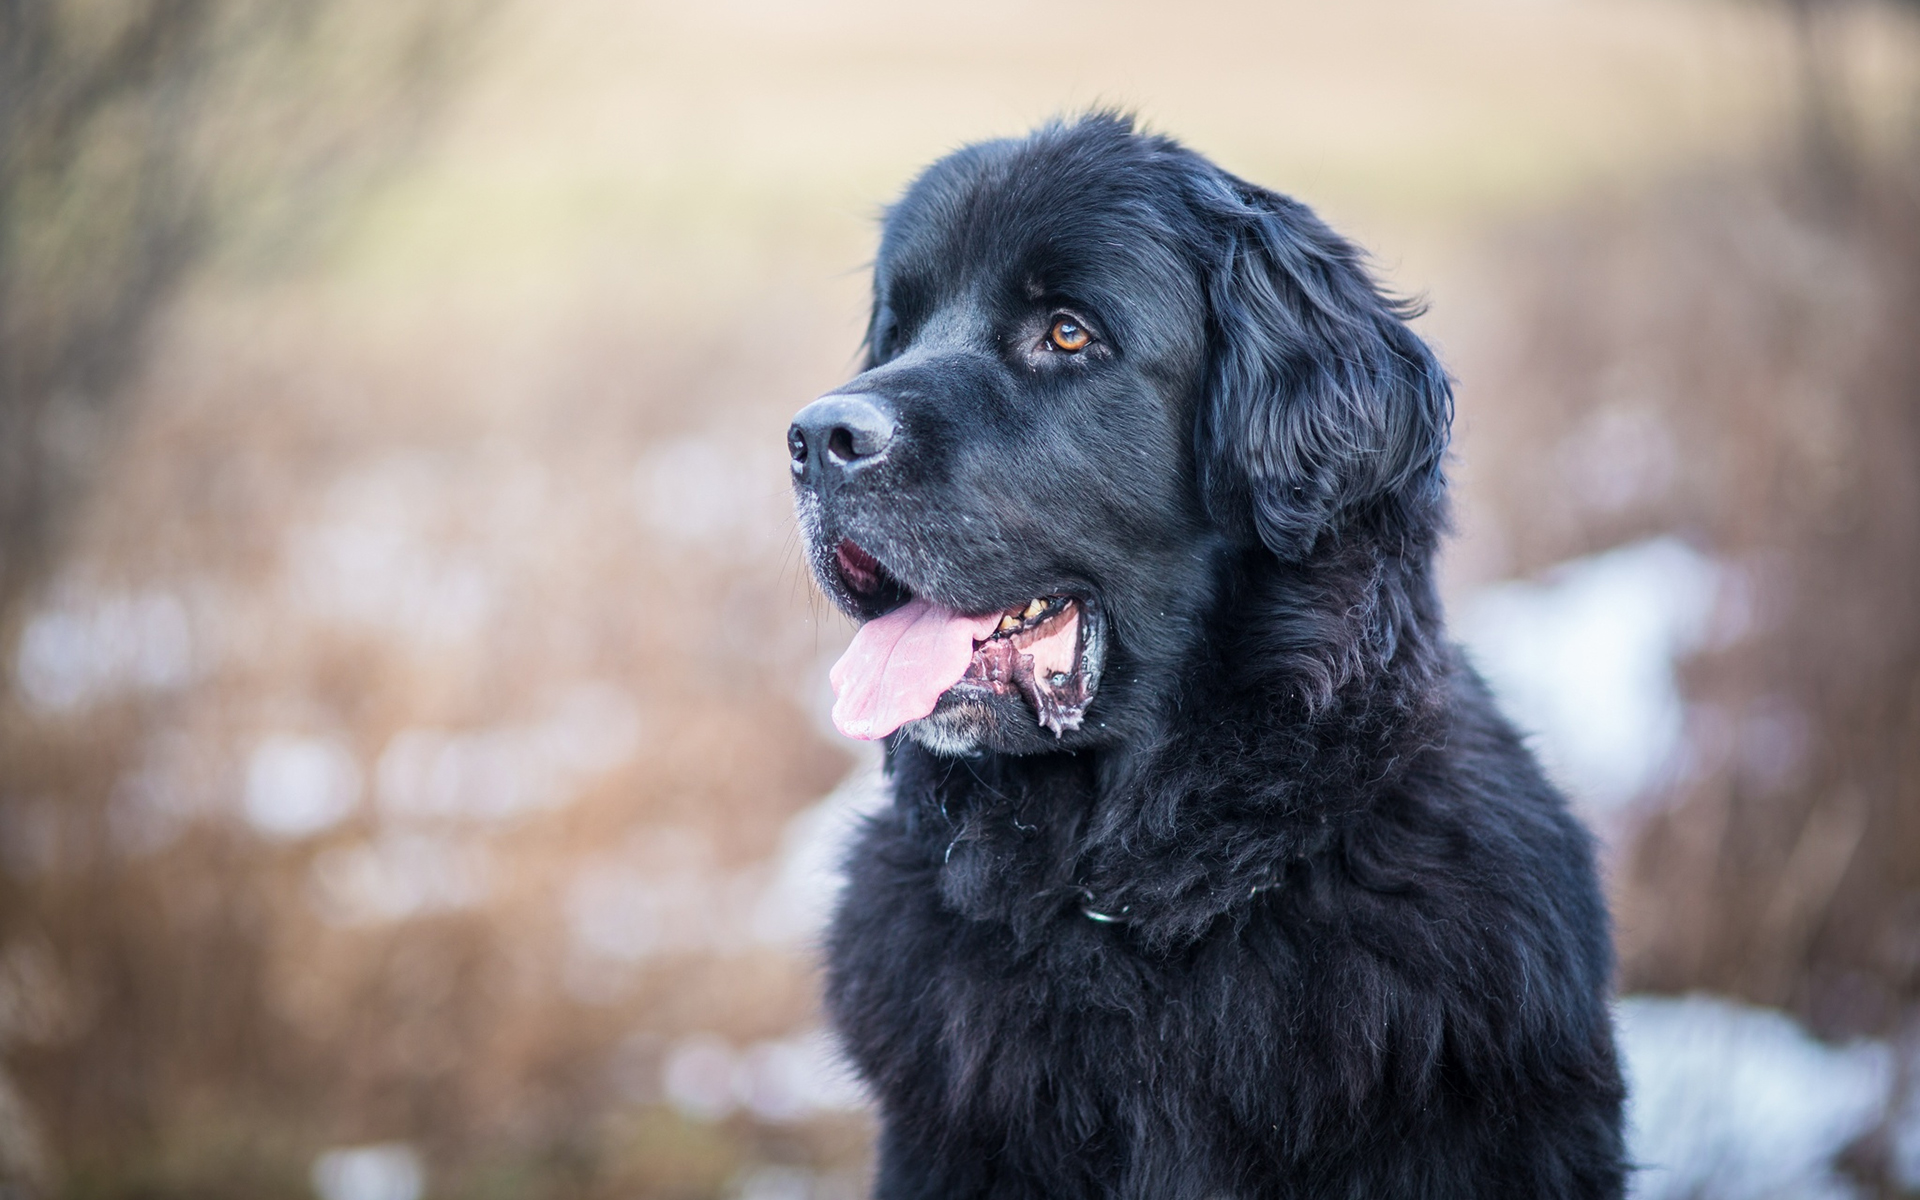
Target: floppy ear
x=1322 y=404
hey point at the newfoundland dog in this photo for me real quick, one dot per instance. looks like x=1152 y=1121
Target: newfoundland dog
x=1211 y=869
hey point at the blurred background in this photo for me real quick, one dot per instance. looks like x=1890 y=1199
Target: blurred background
x=414 y=778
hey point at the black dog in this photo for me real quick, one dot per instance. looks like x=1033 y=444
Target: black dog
x=1211 y=870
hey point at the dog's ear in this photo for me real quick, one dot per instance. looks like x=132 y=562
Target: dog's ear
x=1321 y=403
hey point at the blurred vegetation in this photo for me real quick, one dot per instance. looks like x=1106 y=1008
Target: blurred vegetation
x=1731 y=357
x=1742 y=348
x=508 y=558
x=139 y=139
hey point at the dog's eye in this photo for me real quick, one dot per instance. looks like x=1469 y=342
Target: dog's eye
x=1069 y=335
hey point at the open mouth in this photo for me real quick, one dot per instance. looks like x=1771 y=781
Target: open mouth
x=1038 y=650
x=912 y=652
x=872 y=588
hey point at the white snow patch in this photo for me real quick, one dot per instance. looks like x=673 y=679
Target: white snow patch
x=806 y=872
x=90 y=646
x=1728 y=1102
x=383 y=1171
x=1584 y=659
x=298 y=786
x=1904 y=1129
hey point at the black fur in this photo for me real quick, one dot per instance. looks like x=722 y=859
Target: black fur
x=1294 y=913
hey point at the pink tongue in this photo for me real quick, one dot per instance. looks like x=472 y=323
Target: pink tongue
x=899 y=664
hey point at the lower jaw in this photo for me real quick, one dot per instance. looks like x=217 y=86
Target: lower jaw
x=1003 y=700
x=1059 y=704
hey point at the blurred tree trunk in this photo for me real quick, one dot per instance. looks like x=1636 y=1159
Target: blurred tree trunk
x=137 y=141
x=1826 y=132
x=74 y=297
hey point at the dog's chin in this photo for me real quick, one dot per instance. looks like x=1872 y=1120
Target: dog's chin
x=959 y=730
x=969 y=720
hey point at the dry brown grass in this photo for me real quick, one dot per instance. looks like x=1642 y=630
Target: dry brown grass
x=428 y=485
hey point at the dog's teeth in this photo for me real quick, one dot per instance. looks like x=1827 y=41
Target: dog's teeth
x=1009 y=623
x=1034 y=609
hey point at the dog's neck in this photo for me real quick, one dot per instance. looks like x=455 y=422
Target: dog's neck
x=1338 y=660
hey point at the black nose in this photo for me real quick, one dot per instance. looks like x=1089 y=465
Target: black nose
x=839 y=432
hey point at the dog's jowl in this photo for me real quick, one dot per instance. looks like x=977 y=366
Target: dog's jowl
x=1210 y=869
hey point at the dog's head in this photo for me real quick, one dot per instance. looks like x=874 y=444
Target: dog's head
x=1098 y=369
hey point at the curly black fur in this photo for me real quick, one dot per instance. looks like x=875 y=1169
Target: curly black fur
x=1294 y=913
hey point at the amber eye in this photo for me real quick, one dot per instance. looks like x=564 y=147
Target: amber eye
x=1069 y=335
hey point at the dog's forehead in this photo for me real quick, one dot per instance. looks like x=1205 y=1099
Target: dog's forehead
x=1038 y=216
